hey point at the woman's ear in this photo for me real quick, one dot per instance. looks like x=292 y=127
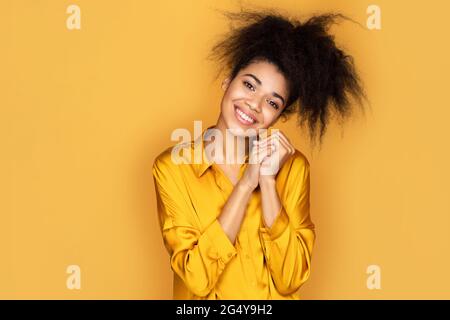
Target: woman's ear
x=225 y=83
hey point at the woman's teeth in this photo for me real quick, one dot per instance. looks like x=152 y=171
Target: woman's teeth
x=244 y=116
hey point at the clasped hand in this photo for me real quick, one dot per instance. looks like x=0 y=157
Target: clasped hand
x=266 y=158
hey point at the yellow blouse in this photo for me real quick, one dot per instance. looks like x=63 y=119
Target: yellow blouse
x=264 y=263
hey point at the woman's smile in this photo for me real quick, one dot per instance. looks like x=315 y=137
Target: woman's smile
x=243 y=117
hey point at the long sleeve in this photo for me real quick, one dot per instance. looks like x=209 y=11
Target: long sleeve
x=197 y=255
x=288 y=243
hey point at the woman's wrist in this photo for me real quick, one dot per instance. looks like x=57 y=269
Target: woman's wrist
x=266 y=181
x=245 y=186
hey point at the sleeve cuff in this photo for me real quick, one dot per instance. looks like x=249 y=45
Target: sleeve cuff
x=223 y=247
x=279 y=225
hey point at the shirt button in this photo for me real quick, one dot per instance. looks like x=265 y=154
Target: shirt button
x=247 y=256
x=229 y=255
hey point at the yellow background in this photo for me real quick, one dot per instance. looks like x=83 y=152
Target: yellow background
x=85 y=112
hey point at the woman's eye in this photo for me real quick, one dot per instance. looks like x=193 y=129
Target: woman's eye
x=273 y=104
x=249 y=85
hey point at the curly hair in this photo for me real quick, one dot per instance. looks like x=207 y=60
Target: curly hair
x=321 y=77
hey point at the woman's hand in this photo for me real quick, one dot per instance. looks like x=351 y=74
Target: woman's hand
x=281 y=150
x=251 y=176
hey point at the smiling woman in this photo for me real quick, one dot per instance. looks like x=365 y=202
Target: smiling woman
x=235 y=230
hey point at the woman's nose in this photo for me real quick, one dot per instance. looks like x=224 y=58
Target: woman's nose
x=253 y=106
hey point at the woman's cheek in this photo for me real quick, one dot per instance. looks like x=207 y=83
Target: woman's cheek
x=241 y=92
x=269 y=118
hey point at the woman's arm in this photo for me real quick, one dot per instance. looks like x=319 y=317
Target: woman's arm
x=233 y=211
x=287 y=233
x=271 y=203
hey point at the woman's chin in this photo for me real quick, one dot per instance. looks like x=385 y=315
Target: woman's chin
x=237 y=129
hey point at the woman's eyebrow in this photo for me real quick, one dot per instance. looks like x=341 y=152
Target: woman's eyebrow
x=260 y=83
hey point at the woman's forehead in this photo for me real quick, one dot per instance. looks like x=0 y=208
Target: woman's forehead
x=268 y=74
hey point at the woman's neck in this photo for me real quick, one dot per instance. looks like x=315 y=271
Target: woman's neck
x=237 y=145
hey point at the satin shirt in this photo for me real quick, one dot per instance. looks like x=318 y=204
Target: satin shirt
x=264 y=263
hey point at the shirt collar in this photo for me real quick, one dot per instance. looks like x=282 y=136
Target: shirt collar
x=201 y=167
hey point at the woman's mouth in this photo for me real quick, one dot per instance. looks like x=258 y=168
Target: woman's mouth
x=243 y=117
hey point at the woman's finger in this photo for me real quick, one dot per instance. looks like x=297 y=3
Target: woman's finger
x=289 y=147
x=266 y=137
x=263 y=152
x=267 y=140
x=277 y=138
x=284 y=145
x=284 y=142
x=257 y=153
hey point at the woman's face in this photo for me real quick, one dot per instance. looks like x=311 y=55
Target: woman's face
x=255 y=98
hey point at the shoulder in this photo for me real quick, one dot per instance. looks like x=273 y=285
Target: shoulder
x=297 y=166
x=162 y=157
x=172 y=156
x=299 y=160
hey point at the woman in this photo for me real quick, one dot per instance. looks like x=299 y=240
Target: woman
x=233 y=231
